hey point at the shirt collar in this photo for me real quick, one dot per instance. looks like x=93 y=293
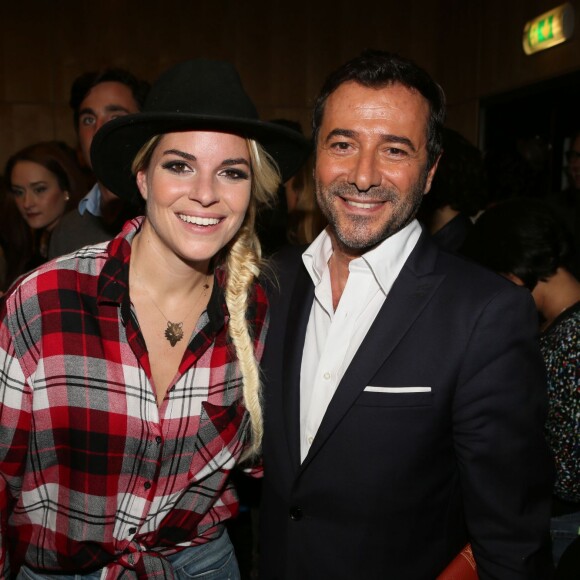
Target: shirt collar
x=316 y=256
x=91 y=202
x=114 y=277
x=385 y=261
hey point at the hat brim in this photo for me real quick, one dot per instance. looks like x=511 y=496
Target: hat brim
x=116 y=144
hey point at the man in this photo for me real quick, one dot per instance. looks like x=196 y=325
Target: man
x=96 y=98
x=404 y=388
x=457 y=193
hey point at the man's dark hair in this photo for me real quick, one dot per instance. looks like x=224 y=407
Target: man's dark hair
x=85 y=82
x=460 y=180
x=521 y=237
x=378 y=69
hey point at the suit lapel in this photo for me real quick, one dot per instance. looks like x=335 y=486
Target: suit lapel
x=299 y=313
x=409 y=295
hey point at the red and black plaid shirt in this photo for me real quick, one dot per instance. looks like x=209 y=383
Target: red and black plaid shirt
x=93 y=474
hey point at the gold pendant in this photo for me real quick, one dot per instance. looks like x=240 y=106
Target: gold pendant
x=174 y=332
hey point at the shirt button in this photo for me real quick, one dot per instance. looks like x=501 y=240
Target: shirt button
x=310 y=440
x=296 y=513
x=326 y=376
x=132 y=531
x=147 y=485
x=158 y=440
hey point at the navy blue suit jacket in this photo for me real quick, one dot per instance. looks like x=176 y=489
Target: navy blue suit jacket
x=395 y=484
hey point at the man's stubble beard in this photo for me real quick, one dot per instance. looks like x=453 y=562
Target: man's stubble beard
x=356 y=238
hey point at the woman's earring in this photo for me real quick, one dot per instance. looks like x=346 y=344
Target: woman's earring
x=66 y=196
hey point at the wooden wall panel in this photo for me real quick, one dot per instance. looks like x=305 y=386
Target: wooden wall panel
x=27 y=52
x=283 y=50
x=458 y=43
x=289 y=56
x=325 y=34
x=63 y=124
x=23 y=124
x=252 y=53
x=6 y=135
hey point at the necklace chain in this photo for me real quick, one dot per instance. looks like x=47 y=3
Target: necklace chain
x=174 y=330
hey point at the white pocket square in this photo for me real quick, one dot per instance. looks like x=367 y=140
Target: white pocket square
x=396 y=390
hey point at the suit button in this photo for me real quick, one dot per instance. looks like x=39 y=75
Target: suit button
x=296 y=513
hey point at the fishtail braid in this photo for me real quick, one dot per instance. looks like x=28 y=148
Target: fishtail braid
x=243 y=263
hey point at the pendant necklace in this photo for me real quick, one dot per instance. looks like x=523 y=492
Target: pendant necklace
x=174 y=331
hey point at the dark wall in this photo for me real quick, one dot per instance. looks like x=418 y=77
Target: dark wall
x=282 y=49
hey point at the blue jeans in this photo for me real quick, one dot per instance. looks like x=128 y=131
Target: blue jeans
x=212 y=561
x=564 y=530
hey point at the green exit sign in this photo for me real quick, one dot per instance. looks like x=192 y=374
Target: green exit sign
x=549 y=29
x=541 y=31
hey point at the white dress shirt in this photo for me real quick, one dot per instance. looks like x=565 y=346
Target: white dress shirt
x=333 y=337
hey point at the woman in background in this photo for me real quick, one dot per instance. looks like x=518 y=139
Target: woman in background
x=43 y=181
x=525 y=242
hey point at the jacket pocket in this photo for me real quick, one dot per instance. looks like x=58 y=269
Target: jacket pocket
x=400 y=396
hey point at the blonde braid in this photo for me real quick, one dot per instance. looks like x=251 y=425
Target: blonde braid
x=243 y=266
x=242 y=263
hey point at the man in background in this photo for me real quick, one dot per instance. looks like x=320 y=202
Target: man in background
x=457 y=194
x=96 y=98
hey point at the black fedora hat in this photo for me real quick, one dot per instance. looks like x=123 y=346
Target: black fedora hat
x=193 y=95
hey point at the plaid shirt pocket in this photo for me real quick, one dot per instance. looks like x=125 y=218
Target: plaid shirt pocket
x=220 y=438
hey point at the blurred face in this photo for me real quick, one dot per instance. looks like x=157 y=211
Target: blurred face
x=38 y=195
x=197 y=189
x=104 y=102
x=574 y=163
x=371 y=162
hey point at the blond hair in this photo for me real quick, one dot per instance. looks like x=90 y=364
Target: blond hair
x=242 y=263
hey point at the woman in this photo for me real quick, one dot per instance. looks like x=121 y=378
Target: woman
x=524 y=241
x=43 y=181
x=135 y=391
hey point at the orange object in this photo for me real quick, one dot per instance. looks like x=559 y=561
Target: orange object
x=462 y=567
